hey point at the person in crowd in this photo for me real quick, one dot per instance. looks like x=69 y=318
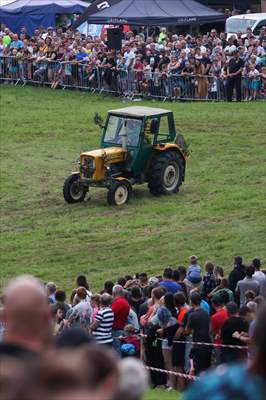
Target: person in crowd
x=193 y=279
x=103 y=323
x=168 y=327
x=81 y=281
x=27 y=316
x=60 y=303
x=153 y=304
x=259 y=276
x=130 y=342
x=248 y=283
x=233 y=324
x=218 y=273
x=239 y=381
x=235 y=68
x=209 y=281
x=143 y=279
x=134 y=380
x=95 y=305
x=238 y=273
x=218 y=319
x=168 y=282
x=51 y=289
x=135 y=299
x=120 y=308
x=180 y=348
x=108 y=287
x=81 y=313
x=198 y=324
x=222 y=288
x=176 y=278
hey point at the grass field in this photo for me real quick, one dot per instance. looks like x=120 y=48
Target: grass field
x=159 y=394
x=219 y=212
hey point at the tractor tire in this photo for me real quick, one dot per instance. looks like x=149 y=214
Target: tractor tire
x=119 y=193
x=166 y=174
x=73 y=192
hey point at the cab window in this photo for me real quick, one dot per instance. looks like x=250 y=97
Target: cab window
x=116 y=129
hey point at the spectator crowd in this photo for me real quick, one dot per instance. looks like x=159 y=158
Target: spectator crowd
x=95 y=345
x=166 y=65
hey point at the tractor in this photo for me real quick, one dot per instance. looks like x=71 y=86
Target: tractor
x=139 y=145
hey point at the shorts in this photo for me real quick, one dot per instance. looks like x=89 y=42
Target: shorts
x=165 y=345
x=255 y=85
x=201 y=358
x=245 y=83
x=179 y=351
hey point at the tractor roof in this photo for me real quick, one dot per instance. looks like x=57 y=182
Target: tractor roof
x=137 y=111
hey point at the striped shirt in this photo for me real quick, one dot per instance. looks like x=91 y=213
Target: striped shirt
x=103 y=334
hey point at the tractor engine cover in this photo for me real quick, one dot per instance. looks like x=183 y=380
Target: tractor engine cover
x=93 y=163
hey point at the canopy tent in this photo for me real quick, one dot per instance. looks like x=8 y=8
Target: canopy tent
x=35 y=13
x=149 y=13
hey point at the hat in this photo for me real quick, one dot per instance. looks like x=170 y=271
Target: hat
x=193 y=258
x=232 y=49
x=153 y=281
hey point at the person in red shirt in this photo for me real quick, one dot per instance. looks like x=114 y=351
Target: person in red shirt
x=218 y=319
x=120 y=308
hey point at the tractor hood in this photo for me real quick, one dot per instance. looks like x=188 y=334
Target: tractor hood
x=108 y=154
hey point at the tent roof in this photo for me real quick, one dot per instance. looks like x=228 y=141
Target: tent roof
x=149 y=12
x=43 y=6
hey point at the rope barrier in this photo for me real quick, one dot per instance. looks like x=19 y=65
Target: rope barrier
x=165 y=371
x=229 y=346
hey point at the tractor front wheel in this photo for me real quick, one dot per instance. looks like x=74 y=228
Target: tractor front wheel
x=119 y=193
x=73 y=191
x=166 y=174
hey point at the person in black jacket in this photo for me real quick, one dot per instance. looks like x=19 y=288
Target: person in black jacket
x=237 y=274
x=234 y=74
x=234 y=324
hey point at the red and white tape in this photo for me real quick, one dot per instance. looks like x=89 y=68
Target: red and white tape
x=165 y=371
x=229 y=346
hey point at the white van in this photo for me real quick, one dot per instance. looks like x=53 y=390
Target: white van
x=240 y=23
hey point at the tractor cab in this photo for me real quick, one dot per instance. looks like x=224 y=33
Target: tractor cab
x=138 y=130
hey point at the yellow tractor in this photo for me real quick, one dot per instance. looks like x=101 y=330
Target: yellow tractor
x=137 y=147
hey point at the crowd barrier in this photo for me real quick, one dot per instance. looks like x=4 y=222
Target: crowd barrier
x=127 y=83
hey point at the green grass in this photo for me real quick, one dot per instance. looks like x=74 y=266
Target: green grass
x=159 y=394
x=219 y=212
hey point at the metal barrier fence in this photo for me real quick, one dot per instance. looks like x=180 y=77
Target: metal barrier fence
x=126 y=83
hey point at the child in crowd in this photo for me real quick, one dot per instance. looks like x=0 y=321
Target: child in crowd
x=193 y=279
x=130 y=343
x=95 y=305
x=254 y=77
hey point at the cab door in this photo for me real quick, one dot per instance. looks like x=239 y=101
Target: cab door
x=146 y=144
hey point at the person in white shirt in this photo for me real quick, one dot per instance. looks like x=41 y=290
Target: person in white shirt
x=259 y=276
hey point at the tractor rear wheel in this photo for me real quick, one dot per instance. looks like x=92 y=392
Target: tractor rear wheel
x=119 y=193
x=73 y=191
x=166 y=174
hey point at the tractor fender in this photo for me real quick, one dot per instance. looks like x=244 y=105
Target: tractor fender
x=170 y=146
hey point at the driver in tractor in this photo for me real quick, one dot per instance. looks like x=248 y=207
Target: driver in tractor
x=131 y=128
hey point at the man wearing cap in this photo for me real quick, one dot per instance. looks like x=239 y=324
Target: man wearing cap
x=235 y=68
